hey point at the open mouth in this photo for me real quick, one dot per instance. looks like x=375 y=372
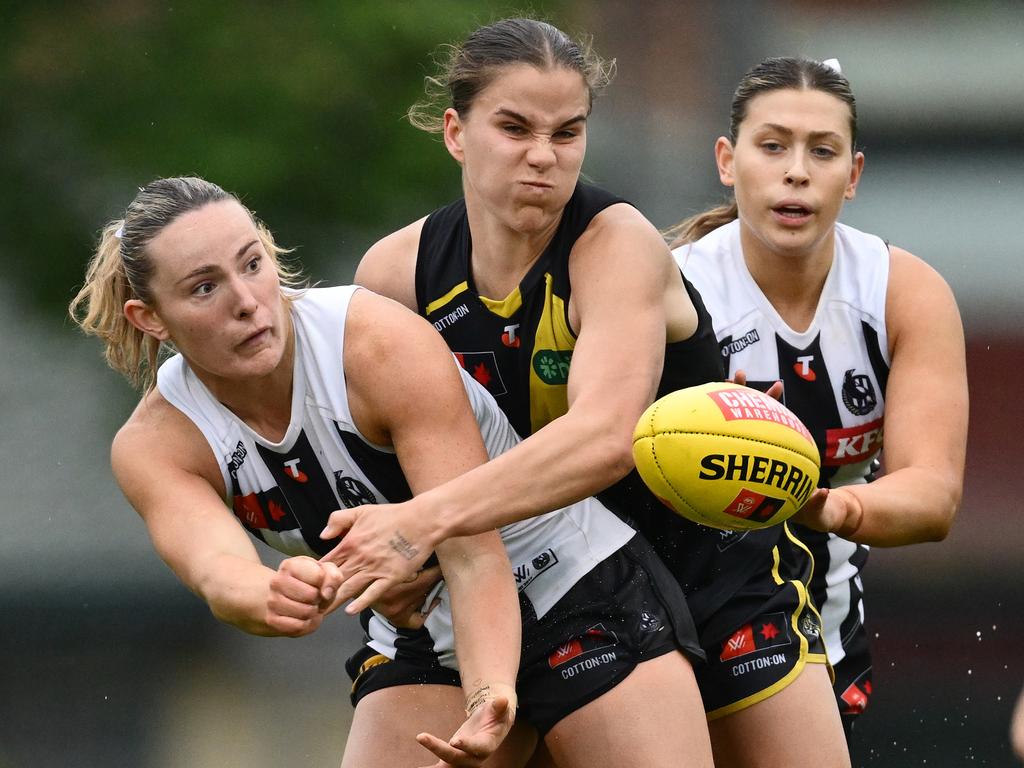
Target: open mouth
x=792 y=211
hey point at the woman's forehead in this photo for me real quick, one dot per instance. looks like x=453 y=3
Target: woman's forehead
x=806 y=110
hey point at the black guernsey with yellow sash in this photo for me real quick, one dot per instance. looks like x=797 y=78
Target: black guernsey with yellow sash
x=520 y=348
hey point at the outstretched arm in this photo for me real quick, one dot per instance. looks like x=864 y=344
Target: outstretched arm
x=925 y=422
x=169 y=475
x=620 y=309
x=405 y=390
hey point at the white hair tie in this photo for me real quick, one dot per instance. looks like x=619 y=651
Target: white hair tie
x=120 y=232
x=833 y=64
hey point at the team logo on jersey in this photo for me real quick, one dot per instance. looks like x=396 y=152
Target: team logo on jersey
x=803 y=369
x=552 y=365
x=738 y=345
x=597 y=638
x=353 y=492
x=851 y=445
x=526 y=573
x=859 y=393
x=752 y=505
x=291 y=468
x=509 y=337
x=767 y=632
x=483 y=366
x=857 y=694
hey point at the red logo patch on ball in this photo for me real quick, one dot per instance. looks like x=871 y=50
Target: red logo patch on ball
x=751 y=505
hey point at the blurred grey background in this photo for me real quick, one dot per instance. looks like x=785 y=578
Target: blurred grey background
x=106 y=660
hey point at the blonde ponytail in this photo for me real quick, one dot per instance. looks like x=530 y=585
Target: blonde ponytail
x=98 y=310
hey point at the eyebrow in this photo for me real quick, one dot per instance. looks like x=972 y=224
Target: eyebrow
x=788 y=132
x=581 y=118
x=207 y=269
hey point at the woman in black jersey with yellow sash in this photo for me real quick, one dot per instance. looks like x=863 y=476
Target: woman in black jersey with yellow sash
x=563 y=301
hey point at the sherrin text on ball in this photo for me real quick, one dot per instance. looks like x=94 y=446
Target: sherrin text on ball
x=726 y=456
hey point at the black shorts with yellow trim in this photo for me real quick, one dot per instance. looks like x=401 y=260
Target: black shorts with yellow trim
x=627 y=610
x=776 y=631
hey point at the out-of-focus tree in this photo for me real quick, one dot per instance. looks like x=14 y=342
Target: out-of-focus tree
x=297 y=107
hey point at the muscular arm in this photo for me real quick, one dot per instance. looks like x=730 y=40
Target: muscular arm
x=405 y=390
x=619 y=271
x=169 y=475
x=925 y=420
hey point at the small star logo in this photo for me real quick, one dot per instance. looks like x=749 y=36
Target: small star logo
x=769 y=631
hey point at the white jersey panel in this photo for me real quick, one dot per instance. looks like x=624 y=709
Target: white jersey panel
x=284 y=492
x=834 y=373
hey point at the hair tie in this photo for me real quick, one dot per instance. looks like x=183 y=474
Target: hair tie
x=120 y=232
x=833 y=64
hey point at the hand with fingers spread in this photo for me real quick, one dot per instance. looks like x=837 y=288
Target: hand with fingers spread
x=378 y=551
x=301 y=593
x=490 y=714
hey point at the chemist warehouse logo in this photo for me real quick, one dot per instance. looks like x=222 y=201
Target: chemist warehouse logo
x=588 y=651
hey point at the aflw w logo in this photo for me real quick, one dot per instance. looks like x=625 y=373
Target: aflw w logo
x=525 y=573
x=737 y=643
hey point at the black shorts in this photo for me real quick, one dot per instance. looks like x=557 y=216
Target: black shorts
x=775 y=630
x=853 y=684
x=627 y=610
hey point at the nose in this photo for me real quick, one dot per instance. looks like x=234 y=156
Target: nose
x=245 y=300
x=796 y=174
x=541 y=153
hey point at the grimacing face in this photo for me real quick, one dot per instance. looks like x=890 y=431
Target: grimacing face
x=521 y=145
x=216 y=294
x=792 y=167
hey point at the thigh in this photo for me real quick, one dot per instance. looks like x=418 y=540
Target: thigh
x=386 y=722
x=797 y=727
x=653 y=718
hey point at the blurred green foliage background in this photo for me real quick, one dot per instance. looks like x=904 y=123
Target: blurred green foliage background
x=297 y=107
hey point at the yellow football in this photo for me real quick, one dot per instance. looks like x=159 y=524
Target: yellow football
x=726 y=456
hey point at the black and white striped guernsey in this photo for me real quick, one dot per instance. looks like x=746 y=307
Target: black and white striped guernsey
x=834 y=374
x=284 y=492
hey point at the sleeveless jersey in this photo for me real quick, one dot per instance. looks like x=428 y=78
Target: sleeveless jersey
x=284 y=492
x=520 y=348
x=834 y=374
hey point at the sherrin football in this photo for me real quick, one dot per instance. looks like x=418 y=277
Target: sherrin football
x=726 y=456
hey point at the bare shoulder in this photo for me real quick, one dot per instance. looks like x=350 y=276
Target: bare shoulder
x=389 y=266
x=621 y=233
x=158 y=438
x=394 y=360
x=918 y=295
x=910 y=273
x=912 y=281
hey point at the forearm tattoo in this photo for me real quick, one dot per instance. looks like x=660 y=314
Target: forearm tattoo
x=476 y=698
x=402 y=546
